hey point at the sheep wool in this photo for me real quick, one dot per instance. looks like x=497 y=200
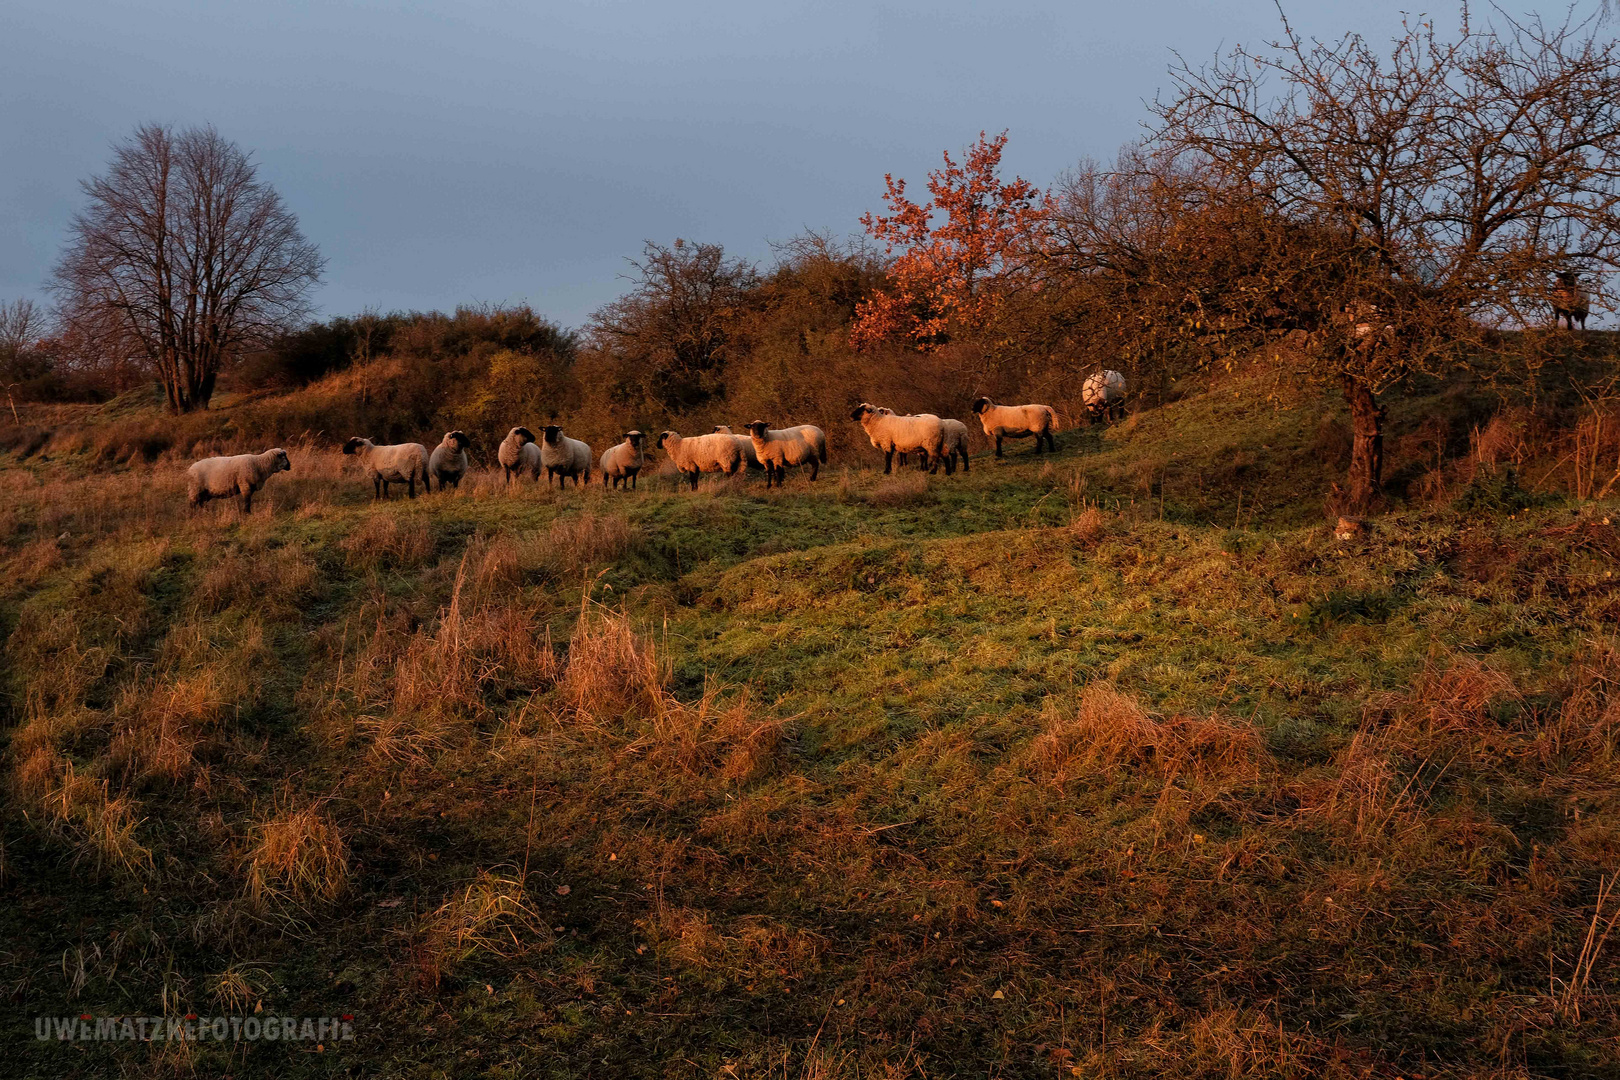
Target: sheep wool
x=714 y=452
x=1103 y=394
x=448 y=462
x=400 y=463
x=777 y=449
x=745 y=443
x=1017 y=422
x=239 y=475
x=518 y=454
x=623 y=461
x=563 y=457
x=893 y=433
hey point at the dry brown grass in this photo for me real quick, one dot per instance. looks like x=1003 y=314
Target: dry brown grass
x=905 y=488
x=580 y=541
x=491 y=915
x=389 y=540
x=300 y=858
x=1110 y=730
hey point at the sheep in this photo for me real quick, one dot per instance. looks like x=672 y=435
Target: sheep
x=401 y=463
x=805 y=444
x=564 y=457
x=715 y=452
x=891 y=433
x=1017 y=422
x=448 y=462
x=518 y=454
x=240 y=475
x=1103 y=394
x=956 y=442
x=745 y=443
x=1570 y=301
x=623 y=461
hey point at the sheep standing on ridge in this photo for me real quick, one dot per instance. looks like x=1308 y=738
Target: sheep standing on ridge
x=956 y=436
x=892 y=433
x=956 y=442
x=518 y=454
x=1103 y=394
x=1570 y=301
x=745 y=443
x=448 y=462
x=401 y=463
x=1017 y=422
x=715 y=452
x=623 y=461
x=240 y=475
x=563 y=457
x=805 y=444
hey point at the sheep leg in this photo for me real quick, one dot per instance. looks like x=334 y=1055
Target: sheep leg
x=964 y=454
x=888 y=462
x=411 y=480
x=691 y=478
x=247 y=501
x=998 y=446
x=815 y=469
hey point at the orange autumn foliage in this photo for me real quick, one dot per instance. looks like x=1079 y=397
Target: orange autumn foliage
x=951 y=278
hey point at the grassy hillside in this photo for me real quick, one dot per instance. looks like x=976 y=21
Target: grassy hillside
x=1116 y=764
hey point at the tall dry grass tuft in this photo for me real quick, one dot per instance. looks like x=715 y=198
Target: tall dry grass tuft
x=1586 y=730
x=390 y=541
x=301 y=858
x=101 y=826
x=491 y=915
x=615 y=678
x=580 y=541
x=425 y=687
x=904 y=488
x=1109 y=730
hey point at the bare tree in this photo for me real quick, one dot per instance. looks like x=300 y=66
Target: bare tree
x=184 y=257
x=1437 y=188
x=669 y=339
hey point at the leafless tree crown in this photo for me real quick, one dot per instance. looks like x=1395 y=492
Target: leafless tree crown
x=184 y=257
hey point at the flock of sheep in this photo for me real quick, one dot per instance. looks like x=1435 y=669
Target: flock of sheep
x=773 y=450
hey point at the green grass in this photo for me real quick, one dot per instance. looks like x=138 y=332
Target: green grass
x=1111 y=764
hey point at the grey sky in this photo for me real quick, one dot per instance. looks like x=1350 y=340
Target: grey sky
x=471 y=150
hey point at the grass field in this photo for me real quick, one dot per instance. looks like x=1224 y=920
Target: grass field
x=1110 y=764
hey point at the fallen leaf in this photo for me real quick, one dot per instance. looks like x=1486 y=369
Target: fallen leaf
x=998 y=996
x=563 y=890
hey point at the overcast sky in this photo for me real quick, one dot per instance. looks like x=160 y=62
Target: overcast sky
x=469 y=150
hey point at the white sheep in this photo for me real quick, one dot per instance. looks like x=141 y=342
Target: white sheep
x=623 y=462
x=956 y=442
x=715 y=452
x=1017 y=422
x=240 y=475
x=518 y=454
x=805 y=444
x=1570 y=301
x=745 y=443
x=563 y=457
x=893 y=433
x=400 y=463
x=1103 y=394
x=956 y=434
x=448 y=462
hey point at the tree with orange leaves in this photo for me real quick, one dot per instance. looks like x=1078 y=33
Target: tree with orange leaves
x=951 y=278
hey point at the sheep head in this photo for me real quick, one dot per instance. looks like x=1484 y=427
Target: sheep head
x=353 y=445
x=634 y=438
x=662 y=436
x=553 y=433
x=758 y=429
x=458 y=439
x=861 y=412
x=980 y=404
x=523 y=434
x=280 y=461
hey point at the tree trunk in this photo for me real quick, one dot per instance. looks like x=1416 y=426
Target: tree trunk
x=1366 y=475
